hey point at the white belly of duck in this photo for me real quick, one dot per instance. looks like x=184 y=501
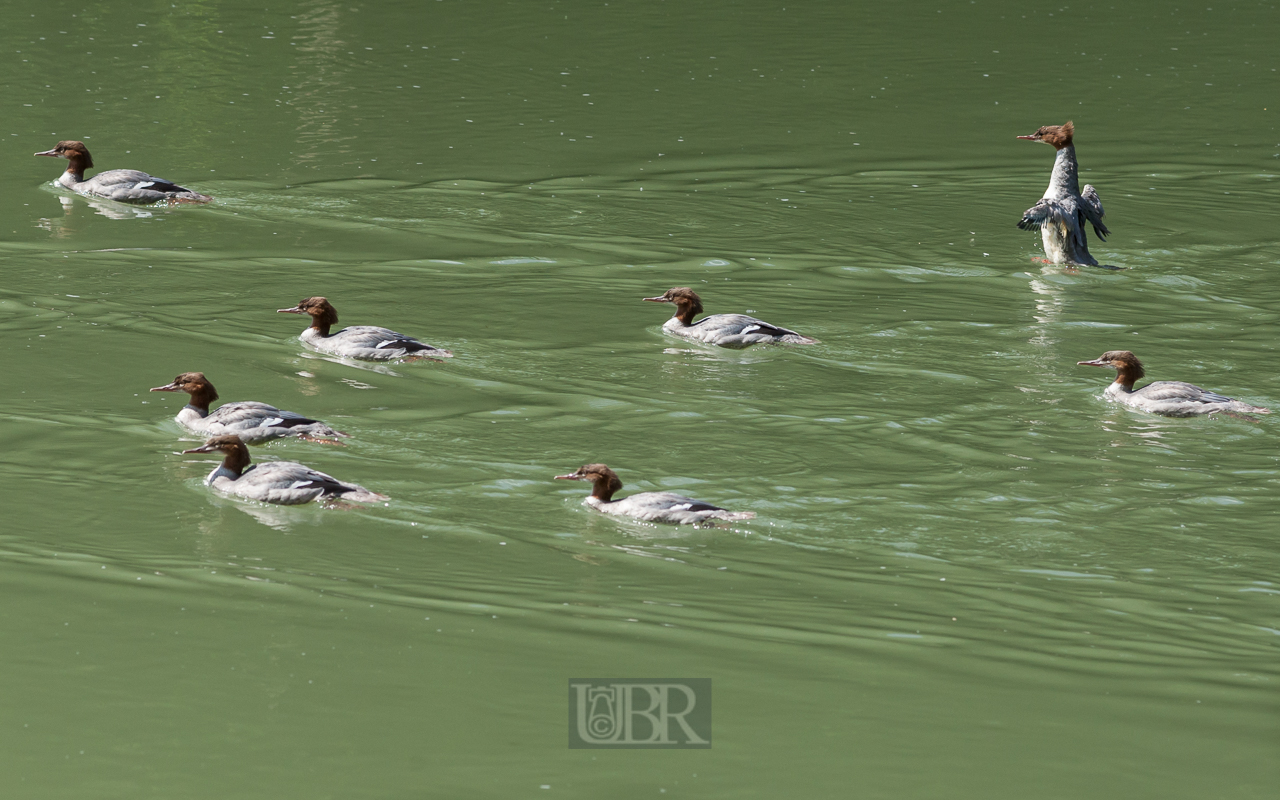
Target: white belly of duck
x=1053 y=234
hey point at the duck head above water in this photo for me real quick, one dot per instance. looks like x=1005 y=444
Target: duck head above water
x=75 y=153
x=195 y=384
x=235 y=453
x=1057 y=135
x=688 y=304
x=605 y=481
x=1127 y=366
x=323 y=314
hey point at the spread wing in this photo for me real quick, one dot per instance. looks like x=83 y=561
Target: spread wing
x=1092 y=208
x=1041 y=214
x=1064 y=213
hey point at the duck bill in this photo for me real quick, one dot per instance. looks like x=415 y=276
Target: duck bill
x=573 y=477
x=290 y=311
x=655 y=299
x=50 y=154
x=1097 y=362
x=1032 y=138
x=204 y=448
x=172 y=387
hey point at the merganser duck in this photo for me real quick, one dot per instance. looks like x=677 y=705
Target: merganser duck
x=285 y=483
x=1061 y=213
x=123 y=185
x=647 y=506
x=361 y=341
x=725 y=330
x=252 y=422
x=1168 y=398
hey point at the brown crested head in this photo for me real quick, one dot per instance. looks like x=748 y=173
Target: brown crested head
x=235 y=454
x=72 y=151
x=193 y=383
x=227 y=443
x=1122 y=361
x=606 y=480
x=320 y=309
x=686 y=300
x=1057 y=135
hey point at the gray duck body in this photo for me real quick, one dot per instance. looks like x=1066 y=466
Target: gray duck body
x=369 y=343
x=666 y=507
x=131 y=186
x=287 y=483
x=253 y=422
x=1177 y=399
x=733 y=330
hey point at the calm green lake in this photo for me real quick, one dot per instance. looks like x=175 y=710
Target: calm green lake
x=969 y=577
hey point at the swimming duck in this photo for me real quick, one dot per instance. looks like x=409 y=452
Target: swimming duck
x=123 y=185
x=285 y=483
x=647 y=506
x=361 y=341
x=725 y=330
x=1167 y=398
x=252 y=422
x=1061 y=213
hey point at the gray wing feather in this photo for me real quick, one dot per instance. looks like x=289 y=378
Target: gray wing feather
x=291 y=483
x=1180 y=390
x=740 y=330
x=263 y=421
x=372 y=342
x=1092 y=207
x=133 y=186
x=248 y=413
x=1065 y=213
x=671 y=507
x=1041 y=213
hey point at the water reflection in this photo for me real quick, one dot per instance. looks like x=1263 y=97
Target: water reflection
x=370 y=366
x=64 y=226
x=319 y=81
x=281 y=518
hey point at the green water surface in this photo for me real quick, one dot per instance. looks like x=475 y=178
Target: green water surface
x=969 y=576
